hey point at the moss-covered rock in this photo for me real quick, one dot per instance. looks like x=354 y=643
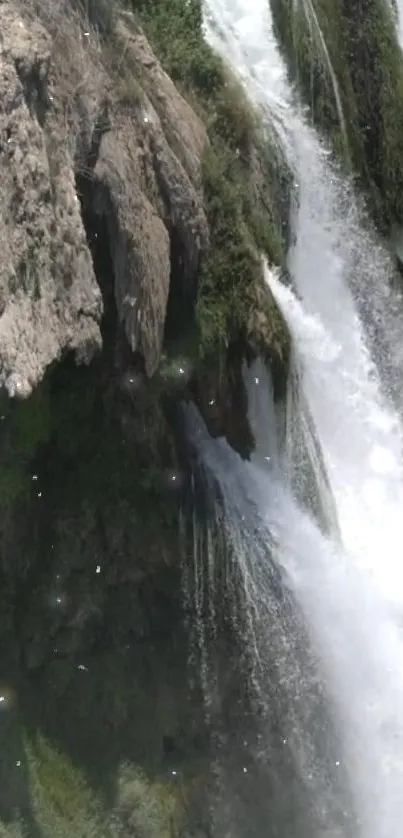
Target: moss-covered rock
x=90 y=557
x=63 y=805
x=245 y=178
x=347 y=59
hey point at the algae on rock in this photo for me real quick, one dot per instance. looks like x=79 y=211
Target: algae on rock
x=348 y=61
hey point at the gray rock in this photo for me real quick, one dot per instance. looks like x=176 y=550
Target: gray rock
x=62 y=113
x=49 y=298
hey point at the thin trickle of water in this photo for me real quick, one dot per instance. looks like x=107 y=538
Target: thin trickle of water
x=316 y=32
x=286 y=441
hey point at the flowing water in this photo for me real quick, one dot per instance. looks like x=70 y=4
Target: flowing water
x=342 y=688
x=400 y=20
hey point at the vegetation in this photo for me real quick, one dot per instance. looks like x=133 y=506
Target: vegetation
x=62 y=804
x=348 y=61
x=246 y=180
x=86 y=466
x=243 y=222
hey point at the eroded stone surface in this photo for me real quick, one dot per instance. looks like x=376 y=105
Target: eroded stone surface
x=63 y=113
x=49 y=298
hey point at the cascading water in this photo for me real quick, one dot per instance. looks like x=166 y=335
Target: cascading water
x=399 y=9
x=312 y=18
x=350 y=594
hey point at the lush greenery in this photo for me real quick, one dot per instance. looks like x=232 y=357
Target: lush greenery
x=348 y=61
x=62 y=805
x=245 y=177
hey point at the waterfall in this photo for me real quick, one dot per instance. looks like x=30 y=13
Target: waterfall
x=286 y=441
x=397 y=8
x=321 y=608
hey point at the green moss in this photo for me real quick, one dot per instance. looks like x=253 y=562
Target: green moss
x=175 y=29
x=63 y=804
x=246 y=181
x=150 y=809
x=24 y=426
x=313 y=38
x=346 y=56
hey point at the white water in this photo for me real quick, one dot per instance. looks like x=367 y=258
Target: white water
x=353 y=597
x=400 y=21
x=314 y=25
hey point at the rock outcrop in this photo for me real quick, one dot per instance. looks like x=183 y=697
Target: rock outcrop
x=74 y=126
x=49 y=297
x=133 y=215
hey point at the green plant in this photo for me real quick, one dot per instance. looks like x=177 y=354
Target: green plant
x=348 y=62
x=63 y=804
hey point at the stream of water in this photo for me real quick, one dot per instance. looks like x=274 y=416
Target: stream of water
x=349 y=587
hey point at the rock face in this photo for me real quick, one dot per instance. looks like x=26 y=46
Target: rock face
x=49 y=298
x=117 y=215
x=73 y=129
x=147 y=183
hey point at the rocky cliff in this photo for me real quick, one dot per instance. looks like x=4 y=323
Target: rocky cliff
x=137 y=195
x=94 y=126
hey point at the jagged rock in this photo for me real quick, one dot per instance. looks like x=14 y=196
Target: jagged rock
x=49 y=299
x=148 y=184
x=63 y=115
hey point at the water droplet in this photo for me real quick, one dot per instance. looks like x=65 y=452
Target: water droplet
x=132 y=381
x=6 y=698
x=57 y=599
x=172 y=479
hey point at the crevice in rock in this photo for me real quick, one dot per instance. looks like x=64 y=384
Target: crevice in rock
x=35 y=89
x=180 y=316
x=97 y=232
x=87 y=157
